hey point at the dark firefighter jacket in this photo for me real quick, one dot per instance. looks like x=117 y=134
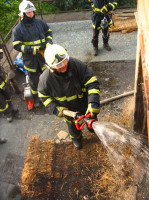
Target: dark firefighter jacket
x=97 y=14
x=74 y=89
x=3 y=75
x=26 y=35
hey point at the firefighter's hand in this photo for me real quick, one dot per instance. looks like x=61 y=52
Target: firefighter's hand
x=104 y=10
x=93 y=108
x=59 y=111
x=35 y=49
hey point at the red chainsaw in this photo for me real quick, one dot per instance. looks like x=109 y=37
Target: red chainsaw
x=80 y=120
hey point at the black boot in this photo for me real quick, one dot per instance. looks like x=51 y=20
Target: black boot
x=106 y=46
x=95 y=51
x=37 y=102
x=9 y=117
x=77 y=142
x=3 y=140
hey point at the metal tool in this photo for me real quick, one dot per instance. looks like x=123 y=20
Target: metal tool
x=28 y=96
x=80 y=119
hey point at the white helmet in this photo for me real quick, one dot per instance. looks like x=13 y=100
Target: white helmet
x=26 y=6
x=55 y=55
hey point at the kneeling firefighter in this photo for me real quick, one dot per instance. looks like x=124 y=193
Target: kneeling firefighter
x=101 y=20
x=68 y=84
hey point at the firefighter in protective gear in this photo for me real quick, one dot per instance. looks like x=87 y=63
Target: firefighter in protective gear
x=6 y=107
x=101 y=20
x=31 y=36
x=68 y=84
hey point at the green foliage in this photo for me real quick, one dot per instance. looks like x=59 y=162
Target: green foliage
x=9 y=11
x=47 y=7
x=72 y=4
x=129 y=3
x=9 y=15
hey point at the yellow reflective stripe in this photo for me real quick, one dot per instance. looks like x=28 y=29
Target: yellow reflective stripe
x=74 y=137
x=98 y=28
x=49 y=37
x=93 y=91
x=96 y=9
x=16 y=42
x=1 y=50
x=113 y=7
x=42 y=95
x=72 y=98
x=30 y=70
x=83 y=89
x=8 y=100
x=22 y=48
x=34 y=42
x=49 y=30
x=2 y=85
x=43 y=68
x=6 y=78
x=34 y=92
x=111 y=22
x=4 y=82
x=61 y=98
x=80 y=96
x=91 y=80
x=2 y=110
x=47 y=102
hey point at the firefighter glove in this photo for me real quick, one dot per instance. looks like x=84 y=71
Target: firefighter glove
x=35 y=49
x=93 y=108
x=104 y=10
x=59 y=111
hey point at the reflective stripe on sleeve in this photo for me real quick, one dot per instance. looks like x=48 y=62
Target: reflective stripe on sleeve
x=94 y=91
x=91 y=80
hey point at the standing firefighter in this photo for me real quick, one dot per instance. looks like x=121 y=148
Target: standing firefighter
x=31 y=36
x=6 y=107
x=101 y=20
x=68 y=84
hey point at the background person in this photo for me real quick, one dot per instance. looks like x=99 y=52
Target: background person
x=101 y=10
x=31 y=36
x=6 y=107
x=68 y=84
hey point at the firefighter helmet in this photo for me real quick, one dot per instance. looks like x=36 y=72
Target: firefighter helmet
x=55 y=55
x=26 y=6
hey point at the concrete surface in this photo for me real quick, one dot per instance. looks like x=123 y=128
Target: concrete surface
x=75 y=36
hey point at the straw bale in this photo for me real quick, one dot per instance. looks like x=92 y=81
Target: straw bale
x=58 y=171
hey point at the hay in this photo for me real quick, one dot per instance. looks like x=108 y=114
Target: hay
x=125 y=26
x=58 y=171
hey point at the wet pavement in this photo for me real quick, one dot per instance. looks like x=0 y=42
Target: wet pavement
x=75 y=36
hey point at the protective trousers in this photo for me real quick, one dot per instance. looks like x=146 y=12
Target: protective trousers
x=73 y=132
x=34 y=79
x=105 y=36
x=5 y=103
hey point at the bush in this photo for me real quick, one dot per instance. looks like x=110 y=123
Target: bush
x=9 y=9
